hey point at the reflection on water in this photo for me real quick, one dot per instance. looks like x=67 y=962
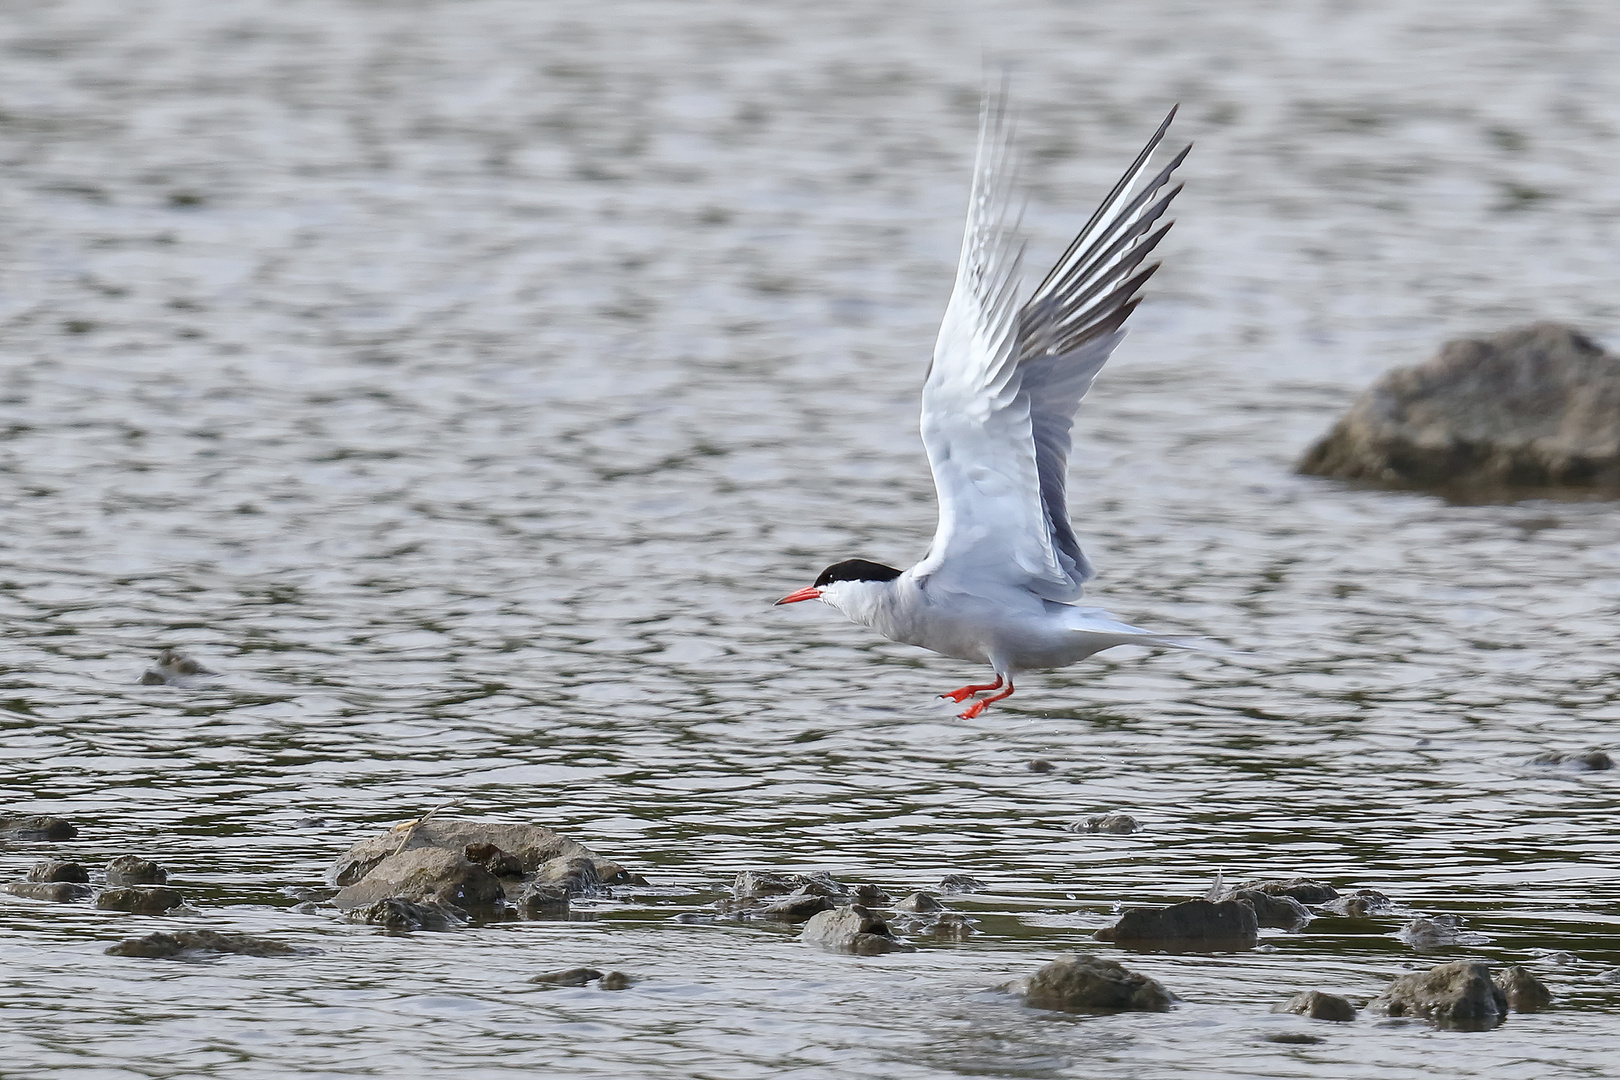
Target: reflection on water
x=463 y=381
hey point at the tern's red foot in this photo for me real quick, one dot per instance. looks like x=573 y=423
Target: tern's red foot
x=966 y=692
x=979 y=706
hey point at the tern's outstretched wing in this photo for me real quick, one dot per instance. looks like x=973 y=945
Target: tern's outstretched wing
x=1001 y=395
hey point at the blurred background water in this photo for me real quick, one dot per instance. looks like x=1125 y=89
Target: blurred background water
x=464 y=380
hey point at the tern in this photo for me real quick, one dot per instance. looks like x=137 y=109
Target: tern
x=999 y=582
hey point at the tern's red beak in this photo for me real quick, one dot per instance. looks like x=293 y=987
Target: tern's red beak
x=809 y=592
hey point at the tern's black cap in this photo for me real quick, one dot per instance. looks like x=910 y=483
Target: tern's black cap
x=856 y=570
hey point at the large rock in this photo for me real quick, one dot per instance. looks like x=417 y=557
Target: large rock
x=531 y=845
x=55 y=870
x=1536 y=406
x=1090 y=984
x=163 y=946
x=1195 y=924
x=852 y=929
x=1459 y=995
x=134 y=870
x=426 y=875
x=1319 y=1006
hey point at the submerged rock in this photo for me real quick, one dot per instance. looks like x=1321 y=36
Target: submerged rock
x=1458 y=995
x=955 y=883
x=404 y=916
x=36 y=827
x=1090 y=984
x=852 y=929
x=52 y=870
x=174 y=668
x=59 y=892
x=569 y=876
x=134 y=870
x=1525 y=993
x=578 y=976
x=793 y=908
x=168 y=946
x=1040 y=765
x=1438 y=932
x=760 y=883
x=1115 y=823
x=427 y=875
x=140 y=899
x=1361 y=904
x=1194 y=924
x=531 y=845
x=1305 y=890
x=1580 y=761
x=615 y=980
x=1318 y=1006
x=534 y=902
x=1536 y=405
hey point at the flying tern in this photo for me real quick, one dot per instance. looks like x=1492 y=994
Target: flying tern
x=999 y=583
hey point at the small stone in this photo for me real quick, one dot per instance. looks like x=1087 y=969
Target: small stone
x=758 y=883
x=536 y=902
x=36 y=827
x=174 y=668
x=1319 y=1006
x=134 y=870
x=168 y=946
x=51 y=870
x=1458 y=995
x=1279 y=912
x=1525 y=993
x=918 y=902
x=870 y=896
x=794 y=908
x=952 y=926
x=852 y=929
x=402 y=916
x=1580 y=761
x=58 y=892
x=570 y=875
x=1201 y=924
x=1361 y=904
x=578 y=976
x=1040 y=765
x=500 y=863
x=616 y=980
x=1116 y=824
x=1090 y=984
x=961 y=883
x=1438 y=932
x=140 y=899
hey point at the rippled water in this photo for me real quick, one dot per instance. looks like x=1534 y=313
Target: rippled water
x=464 y=380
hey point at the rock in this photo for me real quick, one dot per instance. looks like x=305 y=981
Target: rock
x=426 y=875
x=500 y=863
x=1458 y=995
x=1305 y=890
x=140 y=899
x=951 y=925
x=578 y=976
x=36 y=827
x=404 y=916
x=1525 y=993
x=533 y=902
x=1318 y=1006
x=532 y=845
x=59 y=892
x=1581 y=761
x=1280 y=912
x=870 y=896
x=793 y=908
x=134 y=870
x=174 y=668
x=1536 y=405
x=1040 y=765
x=51 y=870
x=954 y=883
x=1438 y=932
x=1293 y=1038
x=1114 y=823
x=615 y=980
x=1090 y=984
x=1361 y=904
x=569 y=875
x=919 y=901
x=162 y=946
x=1202 y=924
x=757 y=883
x=852 y=929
